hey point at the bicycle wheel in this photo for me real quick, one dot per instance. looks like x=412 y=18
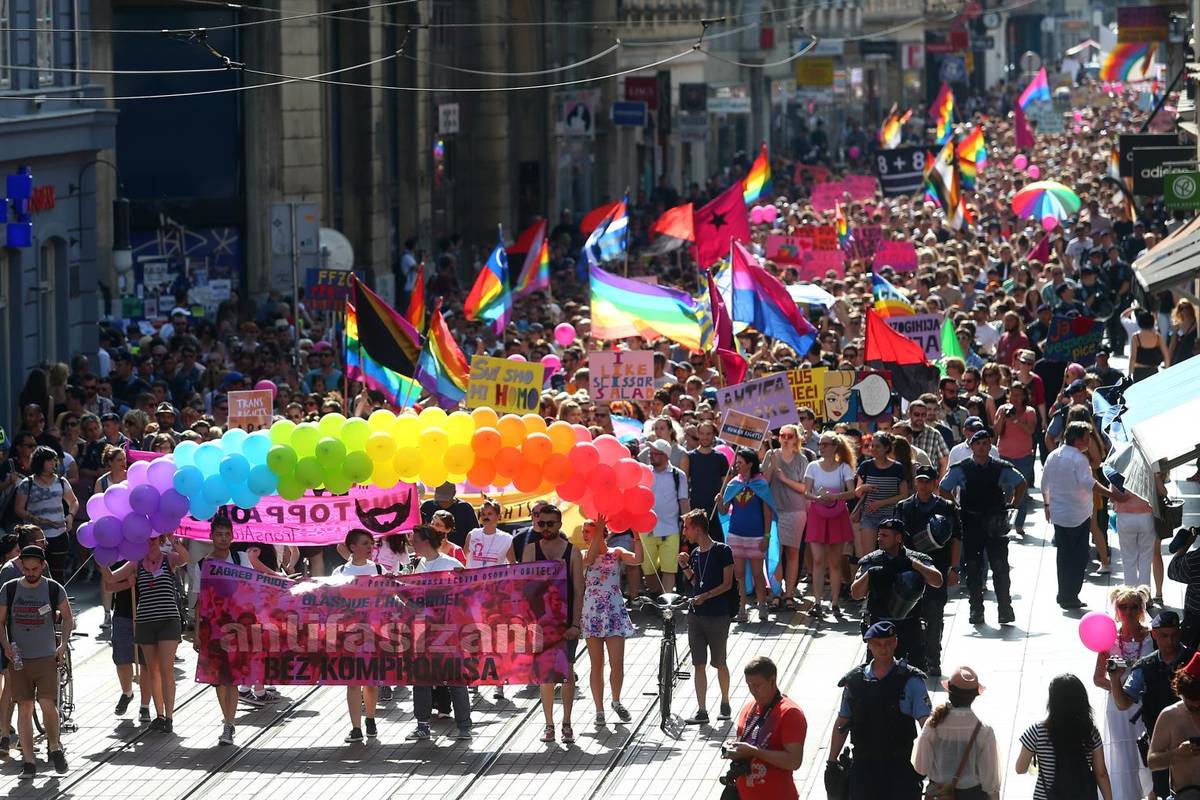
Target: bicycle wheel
x=66 y=690
x=666 y=677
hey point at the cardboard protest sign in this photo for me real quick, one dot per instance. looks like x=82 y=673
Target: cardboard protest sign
x=818 y=262
x=769 y=397
x=861 y=187
x=900 y=256
x=924 y=329
x=743 y=430
x=808 y=389
x=842 y=395
x=507 y=386
x=864 y=240
x=251 y=409
x=621 y=376
x=826 y=196
x=1073 y=339
x=798 y=253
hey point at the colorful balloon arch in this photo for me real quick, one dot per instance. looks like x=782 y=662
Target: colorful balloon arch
x=480 y=448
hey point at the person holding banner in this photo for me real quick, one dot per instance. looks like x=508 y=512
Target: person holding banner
x=362 y=697
x=604 y=619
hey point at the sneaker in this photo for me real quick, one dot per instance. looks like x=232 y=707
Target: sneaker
x=372 y=731
x=144 y=714
x=355 y=736
x=1105 y=569
x=28 y=771
x=168 y=725
x=976 y=617
x=699 y=718
x=107 y=621
x=419 y=734
x=726 y=712
x=385 y=694
x=600 y=721
x=463 y=735
x=158 y=724
x=268 y=696
x=226 y=737
x=498 y=695
x=248 y=697
x=548 y=734
x=763 y=612
x=59 y=759
x=123 y=704
x=1007 y=615
x=621 y=712
x=568 y=734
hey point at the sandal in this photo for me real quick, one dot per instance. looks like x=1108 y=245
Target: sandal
x=777 y=604
x=548 y=734
x=568 y=733
x=788 y=605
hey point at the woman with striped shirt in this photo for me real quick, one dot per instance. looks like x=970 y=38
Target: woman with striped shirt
x=1066 y=745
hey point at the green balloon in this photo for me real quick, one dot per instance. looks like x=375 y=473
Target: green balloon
x=331 y=424
x=281 y=431
x=281 y=459
x=290 y=489
x=330 y=452
x=309 y=472
x=336 y=482
x=357 y=467
x=304 y=439
x=355 y=433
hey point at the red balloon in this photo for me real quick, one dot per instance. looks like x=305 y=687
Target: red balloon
x=528 y=478
x=609 y=501
x=647 y=477
x=573 y=489
x=482 y=473
x=584 y=457
x=557 y=469
x=508 y=462
x=611 y=450
x=644 y=523
x=602 y=478
x=628 y=472
x=638 y=500
x=587 y=507
x=620 y=521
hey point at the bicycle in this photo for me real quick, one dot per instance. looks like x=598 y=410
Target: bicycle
x=665 y=606
x=66 y=691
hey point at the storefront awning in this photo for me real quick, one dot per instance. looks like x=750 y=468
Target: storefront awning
x=1172 y=260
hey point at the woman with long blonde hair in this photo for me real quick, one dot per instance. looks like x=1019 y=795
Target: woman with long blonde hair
x=1129 y=777
x=1183 y=331
x=828 y=484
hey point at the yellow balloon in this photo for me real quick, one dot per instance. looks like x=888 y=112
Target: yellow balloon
x=459 y=459
x=434 y=441
x=453 y=478
x=434 y=475
x=407 y=463
x=562 y=435
x=460 y=427
x=485 y=417
x=384 y=477
x=534 y=423
x=433 y=417
x=382 y=421
x=408 y=430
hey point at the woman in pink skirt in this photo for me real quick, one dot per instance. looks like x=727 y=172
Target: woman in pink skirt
x=829 y=483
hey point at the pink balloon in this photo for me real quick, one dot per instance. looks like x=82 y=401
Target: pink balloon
x=1049 y=222
x=564 y=333
x=1034 y=171
x=611 y=449
x=1078 y=116
x=770 y=213
x=726 y=451
x=582 y=434
x=1020 y=162
x=1097 y=631
x=516 y=357
x=269 y=386
x=756 y=215
x=552 y=363
x=854 y=151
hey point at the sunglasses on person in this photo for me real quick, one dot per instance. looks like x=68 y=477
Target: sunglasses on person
x=783 y=437
x=541 y=523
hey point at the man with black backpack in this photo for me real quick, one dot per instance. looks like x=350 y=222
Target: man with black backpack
x=709 y=567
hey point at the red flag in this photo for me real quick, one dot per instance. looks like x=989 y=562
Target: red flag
x=733 y=364
x=677 y=222
x=1021 y=128
x=525 y=241
x=597 y=215
x=1042 y=251
x=886 y=344
x=720 y=222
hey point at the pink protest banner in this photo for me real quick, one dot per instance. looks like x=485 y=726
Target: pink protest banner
x=864 y=240
x=816 y=263
x=318 y=519
x=493 y=625
x=826 y=196
x=900 y=256
x=861 y=187
x=141 y=455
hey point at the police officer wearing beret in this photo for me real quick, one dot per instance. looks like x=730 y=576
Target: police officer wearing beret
x=893 y=579
x=884 y=703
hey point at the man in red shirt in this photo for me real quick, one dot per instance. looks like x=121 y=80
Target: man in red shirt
x=773 y=742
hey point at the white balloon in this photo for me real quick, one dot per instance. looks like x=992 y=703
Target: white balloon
x=874 y=394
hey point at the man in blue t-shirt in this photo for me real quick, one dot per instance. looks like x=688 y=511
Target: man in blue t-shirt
x=709 y=568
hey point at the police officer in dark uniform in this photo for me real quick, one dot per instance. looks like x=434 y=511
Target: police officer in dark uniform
x=893 y=579
x=990 y=486
x=884 y=704
x=933 y=529
x=1148 y=681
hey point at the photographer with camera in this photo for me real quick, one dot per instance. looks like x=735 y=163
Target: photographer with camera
x=770 y=740
x=1148 y=682
x=884 y=703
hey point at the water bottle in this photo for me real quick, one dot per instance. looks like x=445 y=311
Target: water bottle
x=17 y=662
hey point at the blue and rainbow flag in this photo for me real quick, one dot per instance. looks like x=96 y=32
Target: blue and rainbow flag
x=442 y=368
x=490 y=299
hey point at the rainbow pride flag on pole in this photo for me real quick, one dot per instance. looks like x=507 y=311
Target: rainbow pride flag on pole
x=400 y=390
x=442 y=368
x=942 y=114
x=535 y=275
x=622 y=307
x=490 y=299
x=972 y=157
x=892 y=130
x=843 y=227
x=1128 y=62
x=1038 y=90
x=416 y=304
x=889 y=302
x=382 y=347
x=758 y=180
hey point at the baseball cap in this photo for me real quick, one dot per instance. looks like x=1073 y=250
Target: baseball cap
x=925 y=472
x=33 y=551
x=1077 y=385
x=880 y=630
x=661 y=446
x=979 y=436
x=1165 y=619
x=165 y=408
x=281 y=325
x=973 y=423
x=231 y=378
x=445 y=491
x=1043 y=307
x=321 y=347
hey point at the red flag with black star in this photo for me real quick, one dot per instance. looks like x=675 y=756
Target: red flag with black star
x=722 y=221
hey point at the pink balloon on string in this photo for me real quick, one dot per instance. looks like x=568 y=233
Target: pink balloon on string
x=564 y=333
x=552 y=363
x=1049 y=222
x=756 y=215
x=1034 y=171
x=1020 y=162
x=516 y=357
x=770 y=213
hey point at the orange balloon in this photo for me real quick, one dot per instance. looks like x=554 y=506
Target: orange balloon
x=512 y=430
x=562 y=435
x=534 y=423
x=482 y=473
x=546 y=487
x=557 y=469
x=486 y=442
x=528 y=478
x=508 y=462
x=537 y=448
x=484 y=418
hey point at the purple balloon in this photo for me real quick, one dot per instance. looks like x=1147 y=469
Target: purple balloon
x=162 y=474
x=144 y=499
x=86 y=535
x=116 y=499
x=108 y=532
x=133 y=551
x=135 y=528
x=107 y=555
x=137 y=473
x=96 y=508
x=163 y=522
x=173 y=503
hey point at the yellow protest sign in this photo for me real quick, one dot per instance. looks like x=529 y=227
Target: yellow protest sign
x=507 y=386
x=808 y=388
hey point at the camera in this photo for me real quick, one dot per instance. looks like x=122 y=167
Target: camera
x=1114 y=664
x=738 y=767
x=1010 y=412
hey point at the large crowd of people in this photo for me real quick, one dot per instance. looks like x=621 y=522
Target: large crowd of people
x=880 y=521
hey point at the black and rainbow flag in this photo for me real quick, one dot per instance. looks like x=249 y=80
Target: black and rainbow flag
x=382 y=347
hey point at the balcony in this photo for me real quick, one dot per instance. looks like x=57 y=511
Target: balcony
x=876 y=11
x=660 y=19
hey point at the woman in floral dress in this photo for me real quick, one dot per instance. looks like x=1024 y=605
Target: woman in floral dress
x=605 y=620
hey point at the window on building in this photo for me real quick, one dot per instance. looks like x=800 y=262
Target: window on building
x=4 y=33
x=45 y=41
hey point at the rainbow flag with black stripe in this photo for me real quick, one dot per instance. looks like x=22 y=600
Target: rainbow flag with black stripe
x=942 y=114
x=382 y=347
x=442 y=368
x=972 y=157
x=535 y=274
x=758 y=180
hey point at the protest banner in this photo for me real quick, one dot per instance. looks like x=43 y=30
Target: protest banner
x=769 y=398
x=924 y=329
x=318 y=518
x=900 y=256
x=1073 y=339
x=743 y=430
x=861 y=187
x=808 y=389
x=493 y=625
x=864 y=241
x=507 y=386
x=817 y=174
x=826 y=196
x=621 y=376
x=328 y=289
x=810 y=263
x=251 y=410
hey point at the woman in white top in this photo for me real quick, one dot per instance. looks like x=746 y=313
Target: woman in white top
x=952 y=730
x=486 y=545
x=829 y=483
x=360 y=543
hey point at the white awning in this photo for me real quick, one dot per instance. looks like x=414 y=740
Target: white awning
x=1173 y=259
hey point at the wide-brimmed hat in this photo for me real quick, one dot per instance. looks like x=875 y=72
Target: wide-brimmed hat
x=965 y=679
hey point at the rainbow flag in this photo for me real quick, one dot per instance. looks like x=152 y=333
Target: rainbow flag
x=972 y=157
x=442 y=368
x=892 y=130
x=757 y=182
x=400 y=390
x=535 y=275
x=490 y=300
x=763 y=303
x=843 y=227
x=622 y=307
x=889 y=301
x=382 y=347
x=1128 y=62
x=942 y=114
x=416 y=304
x=1038 y=90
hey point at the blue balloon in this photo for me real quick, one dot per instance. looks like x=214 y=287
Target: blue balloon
x=202 y=509
x=216 y=491
x=262 y=481
x=188 y=481
x=208 y=458
x=234 y=469
x=256 y=447
x=244 y=497
x=185 y=454
x=232 y=441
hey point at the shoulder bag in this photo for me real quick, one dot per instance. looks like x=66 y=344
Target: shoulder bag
x=946 y=791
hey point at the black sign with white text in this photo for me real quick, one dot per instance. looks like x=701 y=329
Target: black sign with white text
x=901 y=171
